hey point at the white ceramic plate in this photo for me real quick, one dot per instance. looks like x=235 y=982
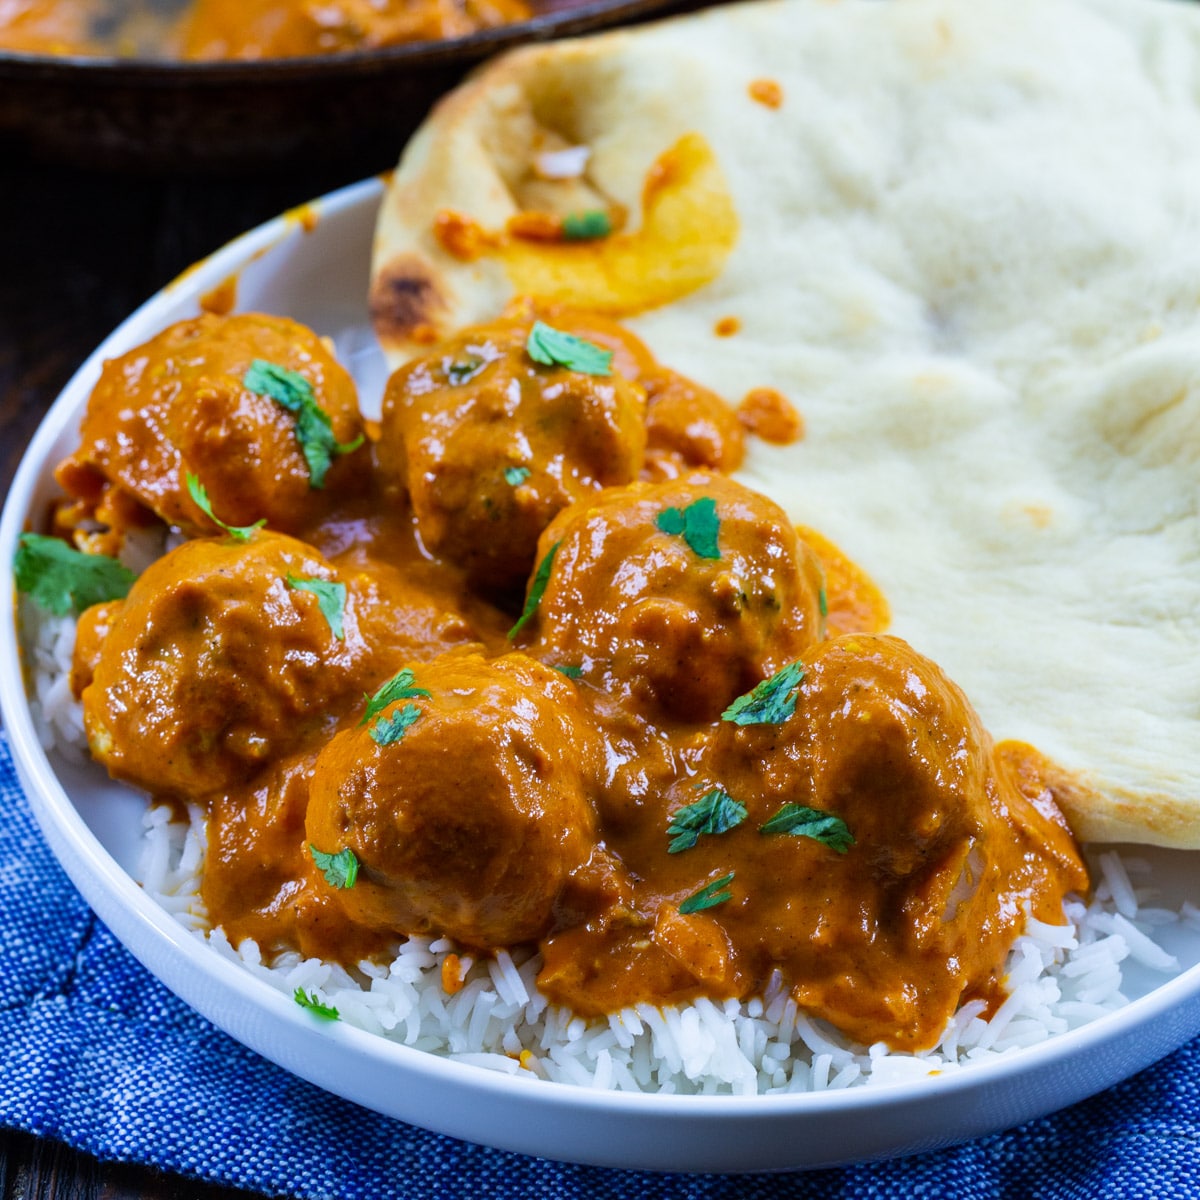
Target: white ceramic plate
x=317 y=273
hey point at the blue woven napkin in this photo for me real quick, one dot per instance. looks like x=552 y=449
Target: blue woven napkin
x=96 y=1053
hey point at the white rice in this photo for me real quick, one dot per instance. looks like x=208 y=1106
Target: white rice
x=1058 y=977
x=46 y=645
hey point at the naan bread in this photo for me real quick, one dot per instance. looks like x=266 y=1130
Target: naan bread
x=966 y=244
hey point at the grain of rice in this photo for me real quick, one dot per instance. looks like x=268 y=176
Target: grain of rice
x=603 y=1075
x=623 y=1078
x=1156 y=918
x=493 y=1062
x=1116 y=878
x=1061 y=937
x=507 y=979
x=1142 y=948
x=1092 y=955
x=848 y=1075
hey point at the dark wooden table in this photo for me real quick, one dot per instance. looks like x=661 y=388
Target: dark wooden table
x=79 y=250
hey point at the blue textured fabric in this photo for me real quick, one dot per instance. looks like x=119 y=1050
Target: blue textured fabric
x=96 y=1053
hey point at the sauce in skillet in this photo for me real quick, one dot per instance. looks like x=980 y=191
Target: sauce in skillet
x=208 y=30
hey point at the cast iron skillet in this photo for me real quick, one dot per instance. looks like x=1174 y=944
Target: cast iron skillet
x=186 y=117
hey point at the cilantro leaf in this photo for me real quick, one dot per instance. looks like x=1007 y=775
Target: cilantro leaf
x=314 y=426
x=391 y=729
x=800 y=821
x=536 y=590
x=584 y=226
x=399 y=687
x=331 y=600
x=698 y=524
x=288 y=388
x=515 y=476
x=63 y=579
x=314 y=1005
x=198 y=492
x=463 y=370
x=551 y=347
x=570 y=671
x=715 y=812
x=771 y=702
x=708 y=896
x=340 y=869
x=822 y=607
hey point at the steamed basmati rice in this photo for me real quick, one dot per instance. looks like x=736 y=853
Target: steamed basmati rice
x=1058 y=977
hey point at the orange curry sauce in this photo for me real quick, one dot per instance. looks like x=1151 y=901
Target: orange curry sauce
x=574 y=604
x=241 y=29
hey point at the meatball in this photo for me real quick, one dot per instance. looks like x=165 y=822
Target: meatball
x=892 y=852
x=220 y=659
x=464 y=801
x=680 y=595
x=186 y=403
x=490 y=445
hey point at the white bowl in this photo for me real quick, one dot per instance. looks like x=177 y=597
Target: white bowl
x=313 y=265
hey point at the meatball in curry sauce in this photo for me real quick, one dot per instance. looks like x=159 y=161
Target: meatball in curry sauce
x=488 y=445
x=523 y=667
x=695 y=590
x=192 y=401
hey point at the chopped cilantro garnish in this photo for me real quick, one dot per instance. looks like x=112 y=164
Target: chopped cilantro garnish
x=331 y=600
x=715 y=812
x=553 y=348
x=399 y=687
x=811 y=823
x=392 y=728
x=698 y=524
x=822 y=608
x=340 y=869
x=288 y=388
x=516 y=475
x=63 y=579
x=314 y=427
x=314 y=1005
x=570 y=671
x=583 y=226
x=708 y=896
x=536 y=590
x=198 y=492
x=771 y=702
x=463 y=370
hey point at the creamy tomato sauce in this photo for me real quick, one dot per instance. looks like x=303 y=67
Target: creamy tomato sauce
x=240 y=29
x=526 y=666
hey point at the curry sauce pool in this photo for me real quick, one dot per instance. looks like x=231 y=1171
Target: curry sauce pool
x=651 y=791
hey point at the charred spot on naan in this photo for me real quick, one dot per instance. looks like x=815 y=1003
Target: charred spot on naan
x=407 y=301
